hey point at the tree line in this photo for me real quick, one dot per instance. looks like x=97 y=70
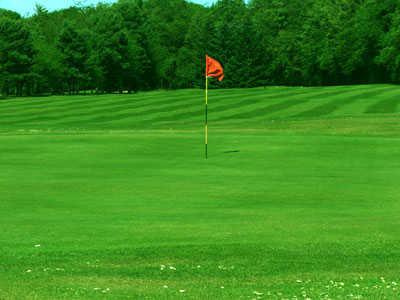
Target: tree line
x=137 y=45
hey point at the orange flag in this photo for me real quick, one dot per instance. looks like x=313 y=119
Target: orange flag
x=214 y=68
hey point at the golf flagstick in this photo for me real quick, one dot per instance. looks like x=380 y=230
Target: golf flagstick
x=214 y=69
x=206 y=119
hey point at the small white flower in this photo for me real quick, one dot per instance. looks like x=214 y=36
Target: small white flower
x=222 y=267
x=28 y=271
x=299 y=281
x=258 y=293
x=198 y=267
x=182 y=291
x=162 y=267
x=172 y=268
x=37 y=246
x=222 y=287
x=165 y=286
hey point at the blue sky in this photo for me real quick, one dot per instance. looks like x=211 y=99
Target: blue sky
x=26 y=7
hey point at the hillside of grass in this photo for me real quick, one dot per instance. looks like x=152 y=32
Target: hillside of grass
x=110 y=197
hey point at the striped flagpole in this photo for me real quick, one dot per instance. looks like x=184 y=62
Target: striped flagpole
x=206 y=119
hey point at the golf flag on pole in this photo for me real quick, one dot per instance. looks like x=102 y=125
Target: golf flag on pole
x=213 y=69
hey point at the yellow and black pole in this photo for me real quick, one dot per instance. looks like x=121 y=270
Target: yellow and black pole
x=206 y=119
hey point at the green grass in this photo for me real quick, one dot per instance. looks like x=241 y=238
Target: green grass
x=300 y=196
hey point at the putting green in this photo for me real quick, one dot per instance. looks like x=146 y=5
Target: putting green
x=110 y=197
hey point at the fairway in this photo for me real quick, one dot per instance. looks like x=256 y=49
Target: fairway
x=110 y=197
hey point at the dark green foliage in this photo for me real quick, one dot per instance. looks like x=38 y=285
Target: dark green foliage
x=389 y=56
x=9 y=14
x=16 y=56
x=74 y=51
x=149 y=44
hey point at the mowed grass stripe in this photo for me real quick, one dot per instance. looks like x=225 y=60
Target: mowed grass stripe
x=165 y=107
x=358 y=108
x=110 y=101
x=152 y=109
x=284 y=104
x=17 y=103
x=219 y=111
x=76 y=99
x=385 y=106
x=148 y=113
x=93 y=111
x=181 y=114
x=90 y=109
x=299 y=93
x=106 y=103
x=85 y=102
x=215 y=110
x=316 y=101
x=227 y=106
x=59 y=101
x=338 y=102
x=32 y=102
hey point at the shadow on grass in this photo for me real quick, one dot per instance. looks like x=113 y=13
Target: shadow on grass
x=231 y=151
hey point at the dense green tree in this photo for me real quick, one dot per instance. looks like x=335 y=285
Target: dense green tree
x=141 y=65
x=191 y=57
x=389 y=56
x=121 y=60
x=229 y=40
x=16 y=56
x=134 y=45
x=73 y=47
x=166 y=27
x=278 y=26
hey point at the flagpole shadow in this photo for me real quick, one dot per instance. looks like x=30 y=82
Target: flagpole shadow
x=231 y=151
